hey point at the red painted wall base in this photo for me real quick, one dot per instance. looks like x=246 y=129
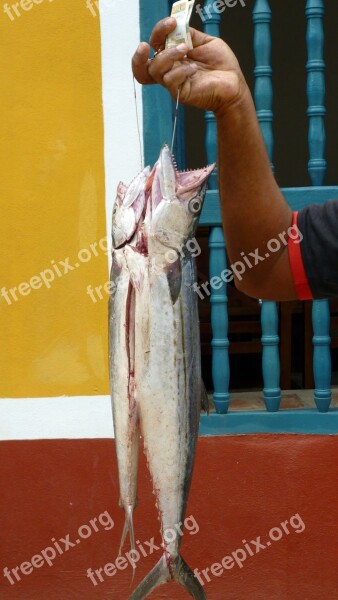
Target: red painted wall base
x=244 y=488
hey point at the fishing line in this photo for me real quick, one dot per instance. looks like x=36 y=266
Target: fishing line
x=138 y=126
x=175 y=119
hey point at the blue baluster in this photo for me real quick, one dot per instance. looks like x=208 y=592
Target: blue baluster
x=317 y=170
x=263 y=71
x=271 y=362
x=218 y=263
x=322 y=354
x=263 y=99
x=316 y=90
x=219 y=323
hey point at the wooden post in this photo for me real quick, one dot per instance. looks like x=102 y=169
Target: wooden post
x=317 y=170
x=263 y=100
x=218 y=262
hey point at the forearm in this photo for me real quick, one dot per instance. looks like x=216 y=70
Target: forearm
x=253 y=207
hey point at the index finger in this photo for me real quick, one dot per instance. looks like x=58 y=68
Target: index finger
x=140 y=60
x=140 y=64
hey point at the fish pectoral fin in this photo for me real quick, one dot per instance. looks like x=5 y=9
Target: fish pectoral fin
x=174 y=278
x=205 y=404
x=169 y=570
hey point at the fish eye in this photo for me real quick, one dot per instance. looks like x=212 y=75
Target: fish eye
x=195 y=205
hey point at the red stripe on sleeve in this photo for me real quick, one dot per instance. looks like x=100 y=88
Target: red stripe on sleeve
x=297 y=266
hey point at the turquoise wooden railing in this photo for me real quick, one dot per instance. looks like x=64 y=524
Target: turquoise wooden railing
x=321 y=418
x=310 y=421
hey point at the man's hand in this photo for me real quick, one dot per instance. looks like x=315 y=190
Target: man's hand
x=209 y=75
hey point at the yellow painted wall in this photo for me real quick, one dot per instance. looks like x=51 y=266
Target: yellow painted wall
x=53 y=341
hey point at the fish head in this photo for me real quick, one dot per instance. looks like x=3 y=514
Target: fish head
x=176 y=216
x=128 y=208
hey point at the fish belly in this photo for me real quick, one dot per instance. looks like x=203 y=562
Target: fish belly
x=167 y=355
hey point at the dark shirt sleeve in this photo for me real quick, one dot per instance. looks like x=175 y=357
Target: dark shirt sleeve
x=314 y=254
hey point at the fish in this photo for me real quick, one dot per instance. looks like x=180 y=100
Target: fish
x=128 y=207
x=155 y=364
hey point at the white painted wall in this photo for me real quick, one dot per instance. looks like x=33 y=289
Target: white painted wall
x=120 y=35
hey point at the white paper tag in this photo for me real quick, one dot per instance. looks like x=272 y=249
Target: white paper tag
x=182 y=11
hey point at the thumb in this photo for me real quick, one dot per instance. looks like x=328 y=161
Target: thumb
x=199 y=38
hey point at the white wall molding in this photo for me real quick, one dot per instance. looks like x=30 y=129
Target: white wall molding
x=67 y=417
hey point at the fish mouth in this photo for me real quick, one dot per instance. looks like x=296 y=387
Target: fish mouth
x=167 y=173
x=186 y=180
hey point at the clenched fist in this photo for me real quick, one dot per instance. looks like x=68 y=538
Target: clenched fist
x=209 y=75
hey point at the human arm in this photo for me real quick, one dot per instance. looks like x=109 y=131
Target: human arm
x=253 y=207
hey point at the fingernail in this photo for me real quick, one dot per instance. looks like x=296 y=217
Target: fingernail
x=182 y=48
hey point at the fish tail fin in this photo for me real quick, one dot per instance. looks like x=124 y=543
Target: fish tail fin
x=128 y=526
x=123 y=536
x=169 y=570
x=184 y=575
